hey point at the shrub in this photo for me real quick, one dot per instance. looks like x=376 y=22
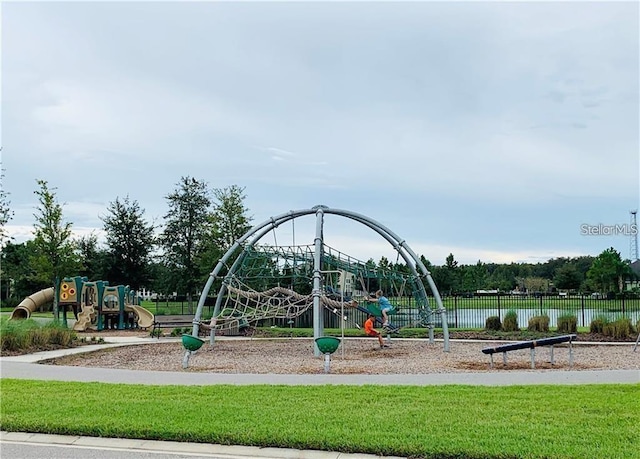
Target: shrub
x=24 y=335
x=493 y=323
x=39 y=338
x=10 y=341
x=619 y=329
x=510 y=323
x=15 y=334
x=568 y=324
x=597 y=324
x=59 y=335
x=539 y=324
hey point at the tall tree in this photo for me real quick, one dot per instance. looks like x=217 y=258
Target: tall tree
x=229 y=217
x=54 y=246
x=187 y=224
x=6 y=213
x=608 y=271
x=473 y=277
x=535 y=284
x=21 y=276
x=95 y=260
x=447 y=276
x=130 y=243
x=229 y=221
x=567 y=277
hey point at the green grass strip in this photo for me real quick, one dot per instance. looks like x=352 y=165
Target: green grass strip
x=443 y=422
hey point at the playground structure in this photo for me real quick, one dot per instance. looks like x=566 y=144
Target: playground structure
x=95 y=305
x=268 y=282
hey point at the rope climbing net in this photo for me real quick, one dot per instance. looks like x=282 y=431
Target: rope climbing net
x=276 y=282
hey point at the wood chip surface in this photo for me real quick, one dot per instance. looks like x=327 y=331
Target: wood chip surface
x=354 y=356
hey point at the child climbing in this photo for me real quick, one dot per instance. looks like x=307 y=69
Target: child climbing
x=385 y=306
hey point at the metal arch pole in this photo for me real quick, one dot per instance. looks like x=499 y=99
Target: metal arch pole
x=318 y=318
x=441 y=310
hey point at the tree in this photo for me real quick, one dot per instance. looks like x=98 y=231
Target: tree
x=160 y=278
x=187 y=225
x=450 y=261
x=54 y=248
x=567 y=277
x=95 y=261
x=608 y=271
x=130 y=243
x=19 y=277
x=6 y=213
x=427 y=264
x=446 y=277
x=535 y=284
x=386 y=284
x=229 y=217
x=228 y=222
x=473 y=277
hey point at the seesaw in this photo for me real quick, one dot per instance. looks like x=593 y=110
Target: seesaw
x=531 y=345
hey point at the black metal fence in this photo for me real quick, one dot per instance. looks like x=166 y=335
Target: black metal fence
x=472 y=312
x=463 y=311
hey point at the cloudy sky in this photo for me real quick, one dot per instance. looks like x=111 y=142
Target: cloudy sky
x=489 y=130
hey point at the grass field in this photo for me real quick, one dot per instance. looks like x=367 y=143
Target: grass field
x=563 y=422
x=446 y=422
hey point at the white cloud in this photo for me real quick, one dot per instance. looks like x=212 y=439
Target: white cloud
x=282 y=152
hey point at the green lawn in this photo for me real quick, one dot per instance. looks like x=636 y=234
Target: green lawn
x=586 y=421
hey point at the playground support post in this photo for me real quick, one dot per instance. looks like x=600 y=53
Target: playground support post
x=342 y=318
x=318 y=322
x=56 y=292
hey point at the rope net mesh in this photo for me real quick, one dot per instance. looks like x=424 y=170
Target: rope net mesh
x=276 y=282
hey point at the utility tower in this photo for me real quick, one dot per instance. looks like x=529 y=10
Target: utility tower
x=634 y=236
